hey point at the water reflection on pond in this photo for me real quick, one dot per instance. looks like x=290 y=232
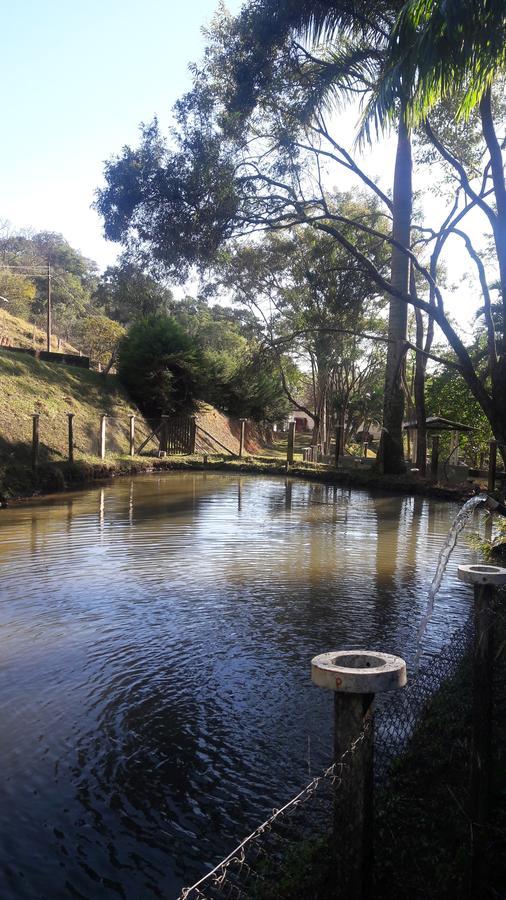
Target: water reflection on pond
x=154 y=681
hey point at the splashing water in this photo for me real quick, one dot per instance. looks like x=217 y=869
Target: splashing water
x=458 y=524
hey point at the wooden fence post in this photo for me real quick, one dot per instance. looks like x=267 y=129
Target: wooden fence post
x=485 y=580
x=131 y=436
x=35 y=440
x=193 y=434
x=164 y=434
x=71 y=436
x=492 y=465
x=101 y=440
x=338 y=444
x=434 y=459
x=290 y=443
x=355 y=676
x=241 y=439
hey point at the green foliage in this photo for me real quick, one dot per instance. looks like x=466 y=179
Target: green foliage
x=161 y=366
x=238 y=378
x=126 y=293
x=18 y=291
x=255 y=391
x=98 y=337
x=72 y=284
x=314 y=300
x=495 y=548
x=440 y=50
x=449 y=396
x=179 y=204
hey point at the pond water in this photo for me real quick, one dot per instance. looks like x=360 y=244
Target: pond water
x=156 y=636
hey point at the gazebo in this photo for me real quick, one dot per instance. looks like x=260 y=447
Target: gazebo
x=434 y=426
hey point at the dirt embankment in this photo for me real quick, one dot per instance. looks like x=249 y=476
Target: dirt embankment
x=214 y=426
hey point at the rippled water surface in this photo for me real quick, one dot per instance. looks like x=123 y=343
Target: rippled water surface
x=156 y=635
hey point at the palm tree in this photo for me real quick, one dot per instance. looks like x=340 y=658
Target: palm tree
x=356 y=35
x=456 y=49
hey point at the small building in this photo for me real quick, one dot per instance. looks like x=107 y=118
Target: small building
x=434 y=425
x=303 y=422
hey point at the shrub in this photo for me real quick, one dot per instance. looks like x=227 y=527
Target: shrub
x=161 y=366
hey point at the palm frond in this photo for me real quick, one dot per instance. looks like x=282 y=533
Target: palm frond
x=346 y=68
x=441 y=49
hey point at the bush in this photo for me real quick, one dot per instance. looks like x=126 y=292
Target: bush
x=256 y=392
x=161 y=367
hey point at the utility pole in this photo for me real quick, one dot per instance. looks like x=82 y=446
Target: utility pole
x=48 y=307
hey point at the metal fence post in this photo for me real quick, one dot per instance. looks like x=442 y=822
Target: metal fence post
x=71 y=437
x=492 y=465
x=101 y=440
x=291 y=442
x=355 y=676
x=35 y=440
x=485 y=580
x=241 y=438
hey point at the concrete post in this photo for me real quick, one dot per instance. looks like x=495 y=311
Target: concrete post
x=291 y=443
x=101 y=440
x=492 y=465
x=71 y=436
x=241 y=439
x=35 y=440
x=434 y=460
x=131 y=435
x=485 y=580
x=355 y=676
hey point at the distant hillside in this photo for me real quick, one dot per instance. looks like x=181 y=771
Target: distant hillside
x=16 y=332
x=28 y=386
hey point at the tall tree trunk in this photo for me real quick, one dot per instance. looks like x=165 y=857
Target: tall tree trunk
x=391 y=450
x=419 y=396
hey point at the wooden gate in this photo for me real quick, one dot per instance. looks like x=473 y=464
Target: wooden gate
x=178 y=435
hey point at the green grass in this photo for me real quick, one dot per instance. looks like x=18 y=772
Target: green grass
x=277 y=449
x=28 y=386
x=16 y=332
x=52 y=390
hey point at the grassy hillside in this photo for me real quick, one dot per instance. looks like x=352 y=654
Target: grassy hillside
x=16 y=332
x=30 y=386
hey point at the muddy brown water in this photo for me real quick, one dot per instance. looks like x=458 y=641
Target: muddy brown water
x=156 y=635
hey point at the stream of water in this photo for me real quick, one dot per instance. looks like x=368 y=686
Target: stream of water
x=155 y=693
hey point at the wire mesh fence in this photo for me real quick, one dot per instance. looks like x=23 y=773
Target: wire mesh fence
x=255 y=868
x=298 y=840
x=55 y=433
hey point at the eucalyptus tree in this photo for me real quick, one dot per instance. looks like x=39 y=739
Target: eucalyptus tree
x=263 y=163
x=317 y=303
x=346 y=44
x=246 y=65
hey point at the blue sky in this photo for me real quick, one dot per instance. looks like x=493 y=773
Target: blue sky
x=78 y=78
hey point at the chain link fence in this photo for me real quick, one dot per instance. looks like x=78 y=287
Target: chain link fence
x=296 y=842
